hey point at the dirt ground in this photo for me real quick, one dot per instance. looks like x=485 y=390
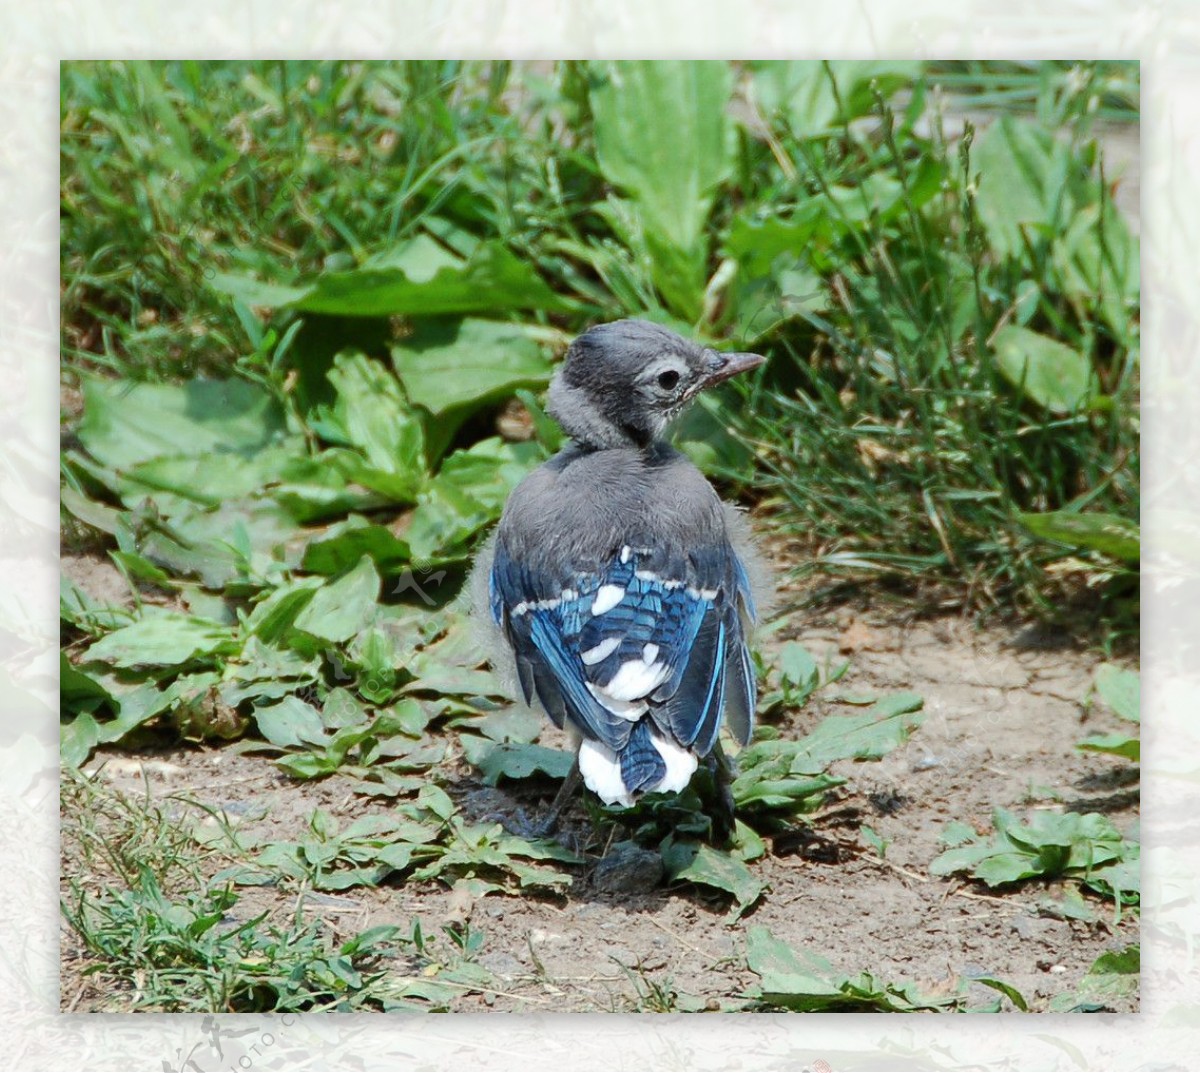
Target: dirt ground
x=1003 y=712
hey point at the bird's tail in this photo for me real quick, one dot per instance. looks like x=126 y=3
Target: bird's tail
x=649 y=762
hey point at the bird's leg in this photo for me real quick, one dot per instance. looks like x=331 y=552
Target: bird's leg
x=546 y=825
x=722 y=773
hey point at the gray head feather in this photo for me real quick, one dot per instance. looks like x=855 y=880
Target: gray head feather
x=621 y=383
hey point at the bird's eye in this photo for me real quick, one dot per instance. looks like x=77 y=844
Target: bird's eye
x=668 y=380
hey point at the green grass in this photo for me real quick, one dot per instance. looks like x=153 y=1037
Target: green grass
x=1055 y=93
x=160 y=931
x=963 y=356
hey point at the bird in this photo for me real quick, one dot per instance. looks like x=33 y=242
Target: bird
x=621 y=588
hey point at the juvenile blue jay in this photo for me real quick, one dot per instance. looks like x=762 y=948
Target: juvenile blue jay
x=614 y=577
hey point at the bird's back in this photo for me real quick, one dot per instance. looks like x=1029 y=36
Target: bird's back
x=615 y=583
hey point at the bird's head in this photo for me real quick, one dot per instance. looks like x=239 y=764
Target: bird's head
x=621 y=383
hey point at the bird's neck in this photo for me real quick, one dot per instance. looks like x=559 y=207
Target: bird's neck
x=588 y=426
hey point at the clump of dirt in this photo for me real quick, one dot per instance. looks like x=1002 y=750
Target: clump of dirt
x=1001 y=723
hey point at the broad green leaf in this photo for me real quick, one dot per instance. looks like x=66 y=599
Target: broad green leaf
x=1113 y=978
x=1119 y=962
x=419 y=278
x=452 y=364
x=747 y=845
x=1121 y=880
x=77 y=738
x=364 y=747
x=703 y=435
x=1121 y=690
x=344 y=544
x=136 y=707
x=315 y=488
x=763 y=303
x=257 y=293
x=168 y=639
x=405 y=717
x=370 y=413
x=437 y=801
x=342 y=608
x=1088 y=840
x=715 y=868
x=758 y=242
x=434 y=676
x=998 y=869
x=775 y=773
x=1071 y=906
x=662 y=136
x=506 y=464
x=263 y=673
x=785 y=971
x=80 y=691
x=799 y=794
x=275 y=614
x=516 y=724
x=217 y=476
x=867 y=735
x=291 y=723
x=797 y=666
x=373 y=653
x=1006 y=989
x=467 y=494
x=1107 y=533
x=1115 y=745
x=1023 y=178
x=306 y=765
x=1098 y=261
x=379 y=781
x=1087 y=847
x=802 y=980
x=958 y=833
x=445 y=519
x=532 y=876
x=341 y=709
x=1055 y=376
x=125 y=423
x=514 y=761
x=222 y=543
x=88 y=511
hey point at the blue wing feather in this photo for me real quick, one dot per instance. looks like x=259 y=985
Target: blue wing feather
x=689 y=611
x=693 y=713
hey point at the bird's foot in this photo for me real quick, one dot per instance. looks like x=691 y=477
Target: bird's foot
x=724 y=822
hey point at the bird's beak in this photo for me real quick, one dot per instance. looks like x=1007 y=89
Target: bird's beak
x=723 y=366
